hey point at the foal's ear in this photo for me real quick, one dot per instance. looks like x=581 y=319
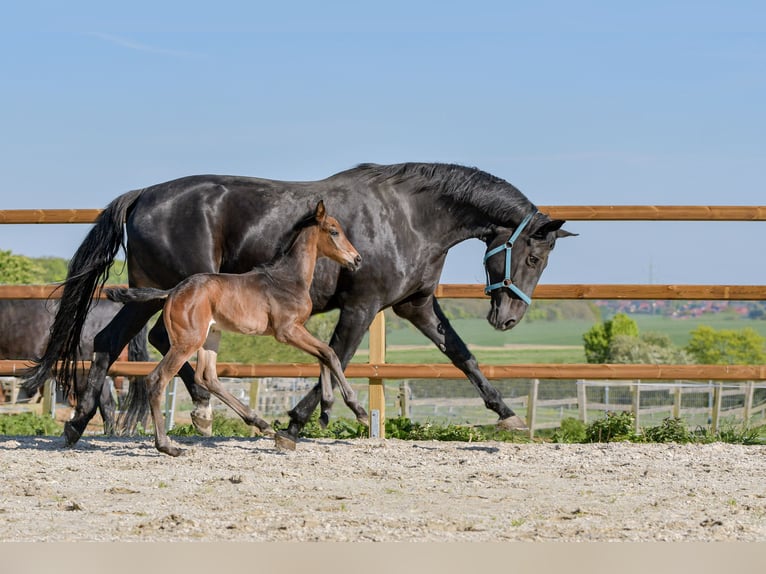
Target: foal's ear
x=320 y=211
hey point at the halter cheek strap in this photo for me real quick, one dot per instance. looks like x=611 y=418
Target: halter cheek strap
x=507 y=282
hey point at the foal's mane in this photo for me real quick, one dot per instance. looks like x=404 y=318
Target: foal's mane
x=495 y=197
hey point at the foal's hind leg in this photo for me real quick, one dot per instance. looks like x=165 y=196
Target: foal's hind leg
x=156 y=382
x=202 y=414
x=207 y=376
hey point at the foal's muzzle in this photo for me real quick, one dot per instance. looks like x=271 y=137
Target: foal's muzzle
x=355 y=263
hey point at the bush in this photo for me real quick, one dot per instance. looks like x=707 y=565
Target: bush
x=613 y=427
x=28 y=424
x=670 y=430
x=572 y=430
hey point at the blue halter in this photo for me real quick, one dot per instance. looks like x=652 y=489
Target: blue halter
x=507 y=282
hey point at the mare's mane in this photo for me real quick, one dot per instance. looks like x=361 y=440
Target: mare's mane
x=493 y=196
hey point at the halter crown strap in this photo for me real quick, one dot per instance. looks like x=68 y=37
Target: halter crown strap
x=507 y=282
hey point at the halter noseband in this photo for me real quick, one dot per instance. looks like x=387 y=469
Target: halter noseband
x=507 y=282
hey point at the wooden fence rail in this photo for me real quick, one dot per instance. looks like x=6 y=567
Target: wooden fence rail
x=377 y=370
x=568 y=212
x=553 y=291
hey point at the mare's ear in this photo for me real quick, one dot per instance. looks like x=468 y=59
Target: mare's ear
x=552 y=225
x=320 y=211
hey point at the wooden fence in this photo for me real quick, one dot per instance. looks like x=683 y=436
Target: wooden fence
x=376 y=370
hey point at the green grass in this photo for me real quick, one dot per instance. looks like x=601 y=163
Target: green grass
x=477 y=332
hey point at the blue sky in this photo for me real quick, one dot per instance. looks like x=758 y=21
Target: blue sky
x=588 y=102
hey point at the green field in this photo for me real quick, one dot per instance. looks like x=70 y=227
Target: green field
x=479 y=335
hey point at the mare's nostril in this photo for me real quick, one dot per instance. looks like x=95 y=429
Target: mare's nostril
x=508 y=324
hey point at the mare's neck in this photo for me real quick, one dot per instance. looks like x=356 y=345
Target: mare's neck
x=300 y=259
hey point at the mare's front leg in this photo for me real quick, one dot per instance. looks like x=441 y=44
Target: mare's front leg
x=426 y=314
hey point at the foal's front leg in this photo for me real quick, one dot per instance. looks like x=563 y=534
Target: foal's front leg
x=300 y=337
x=206 y=375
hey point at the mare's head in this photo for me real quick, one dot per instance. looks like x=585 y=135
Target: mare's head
x=514 y=261
x=333 y=242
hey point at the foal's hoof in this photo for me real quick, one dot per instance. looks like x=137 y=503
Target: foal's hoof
x=324 y=420
x=284 y=441
x=71 y=434
x=203 y=424
x=266 y=431
x=362 y=419
x=514 y=422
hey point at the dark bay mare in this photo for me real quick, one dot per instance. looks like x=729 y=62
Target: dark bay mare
x=402 y=218
x=24 y=329
x=271 y=299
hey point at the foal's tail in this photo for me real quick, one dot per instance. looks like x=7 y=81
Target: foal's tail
x=87 y=273
x=131 y=294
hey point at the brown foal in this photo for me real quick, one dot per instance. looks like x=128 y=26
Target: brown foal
x=268 y=300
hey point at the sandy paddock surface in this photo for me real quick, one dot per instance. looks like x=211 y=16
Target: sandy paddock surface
x=230 y=489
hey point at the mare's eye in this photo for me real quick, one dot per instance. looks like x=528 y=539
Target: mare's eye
x=533 y=261
x=334 y=232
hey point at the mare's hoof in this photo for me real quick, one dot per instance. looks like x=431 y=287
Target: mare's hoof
x=284 y=441
x=324 y=420
x=170 y=450
x=203 y=424
x=514 y=422
x=71 y=435
x=362 y=419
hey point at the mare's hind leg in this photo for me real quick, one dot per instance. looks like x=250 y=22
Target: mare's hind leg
x=107 y=346
x=106 y=407
x=202 y=414
x=328 y=398
x=207 y=376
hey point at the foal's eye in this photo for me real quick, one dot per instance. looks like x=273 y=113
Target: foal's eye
x=533 y=261
x=334 y=232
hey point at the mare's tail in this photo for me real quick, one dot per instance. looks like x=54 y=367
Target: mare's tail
x=87 y=273
x=135 y=407
x=131 y=294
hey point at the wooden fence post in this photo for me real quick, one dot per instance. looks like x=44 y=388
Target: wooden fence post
x=677 y=392
x=532 y=406
x=717 y=398
x=376 y=389
x=582 y=404
x=405 y=394
x=49 y=398
x=749 y=390
x=637 y=405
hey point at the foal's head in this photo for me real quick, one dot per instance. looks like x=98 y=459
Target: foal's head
x=333 y=242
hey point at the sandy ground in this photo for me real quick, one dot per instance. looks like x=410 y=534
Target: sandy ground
x=121 y=489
